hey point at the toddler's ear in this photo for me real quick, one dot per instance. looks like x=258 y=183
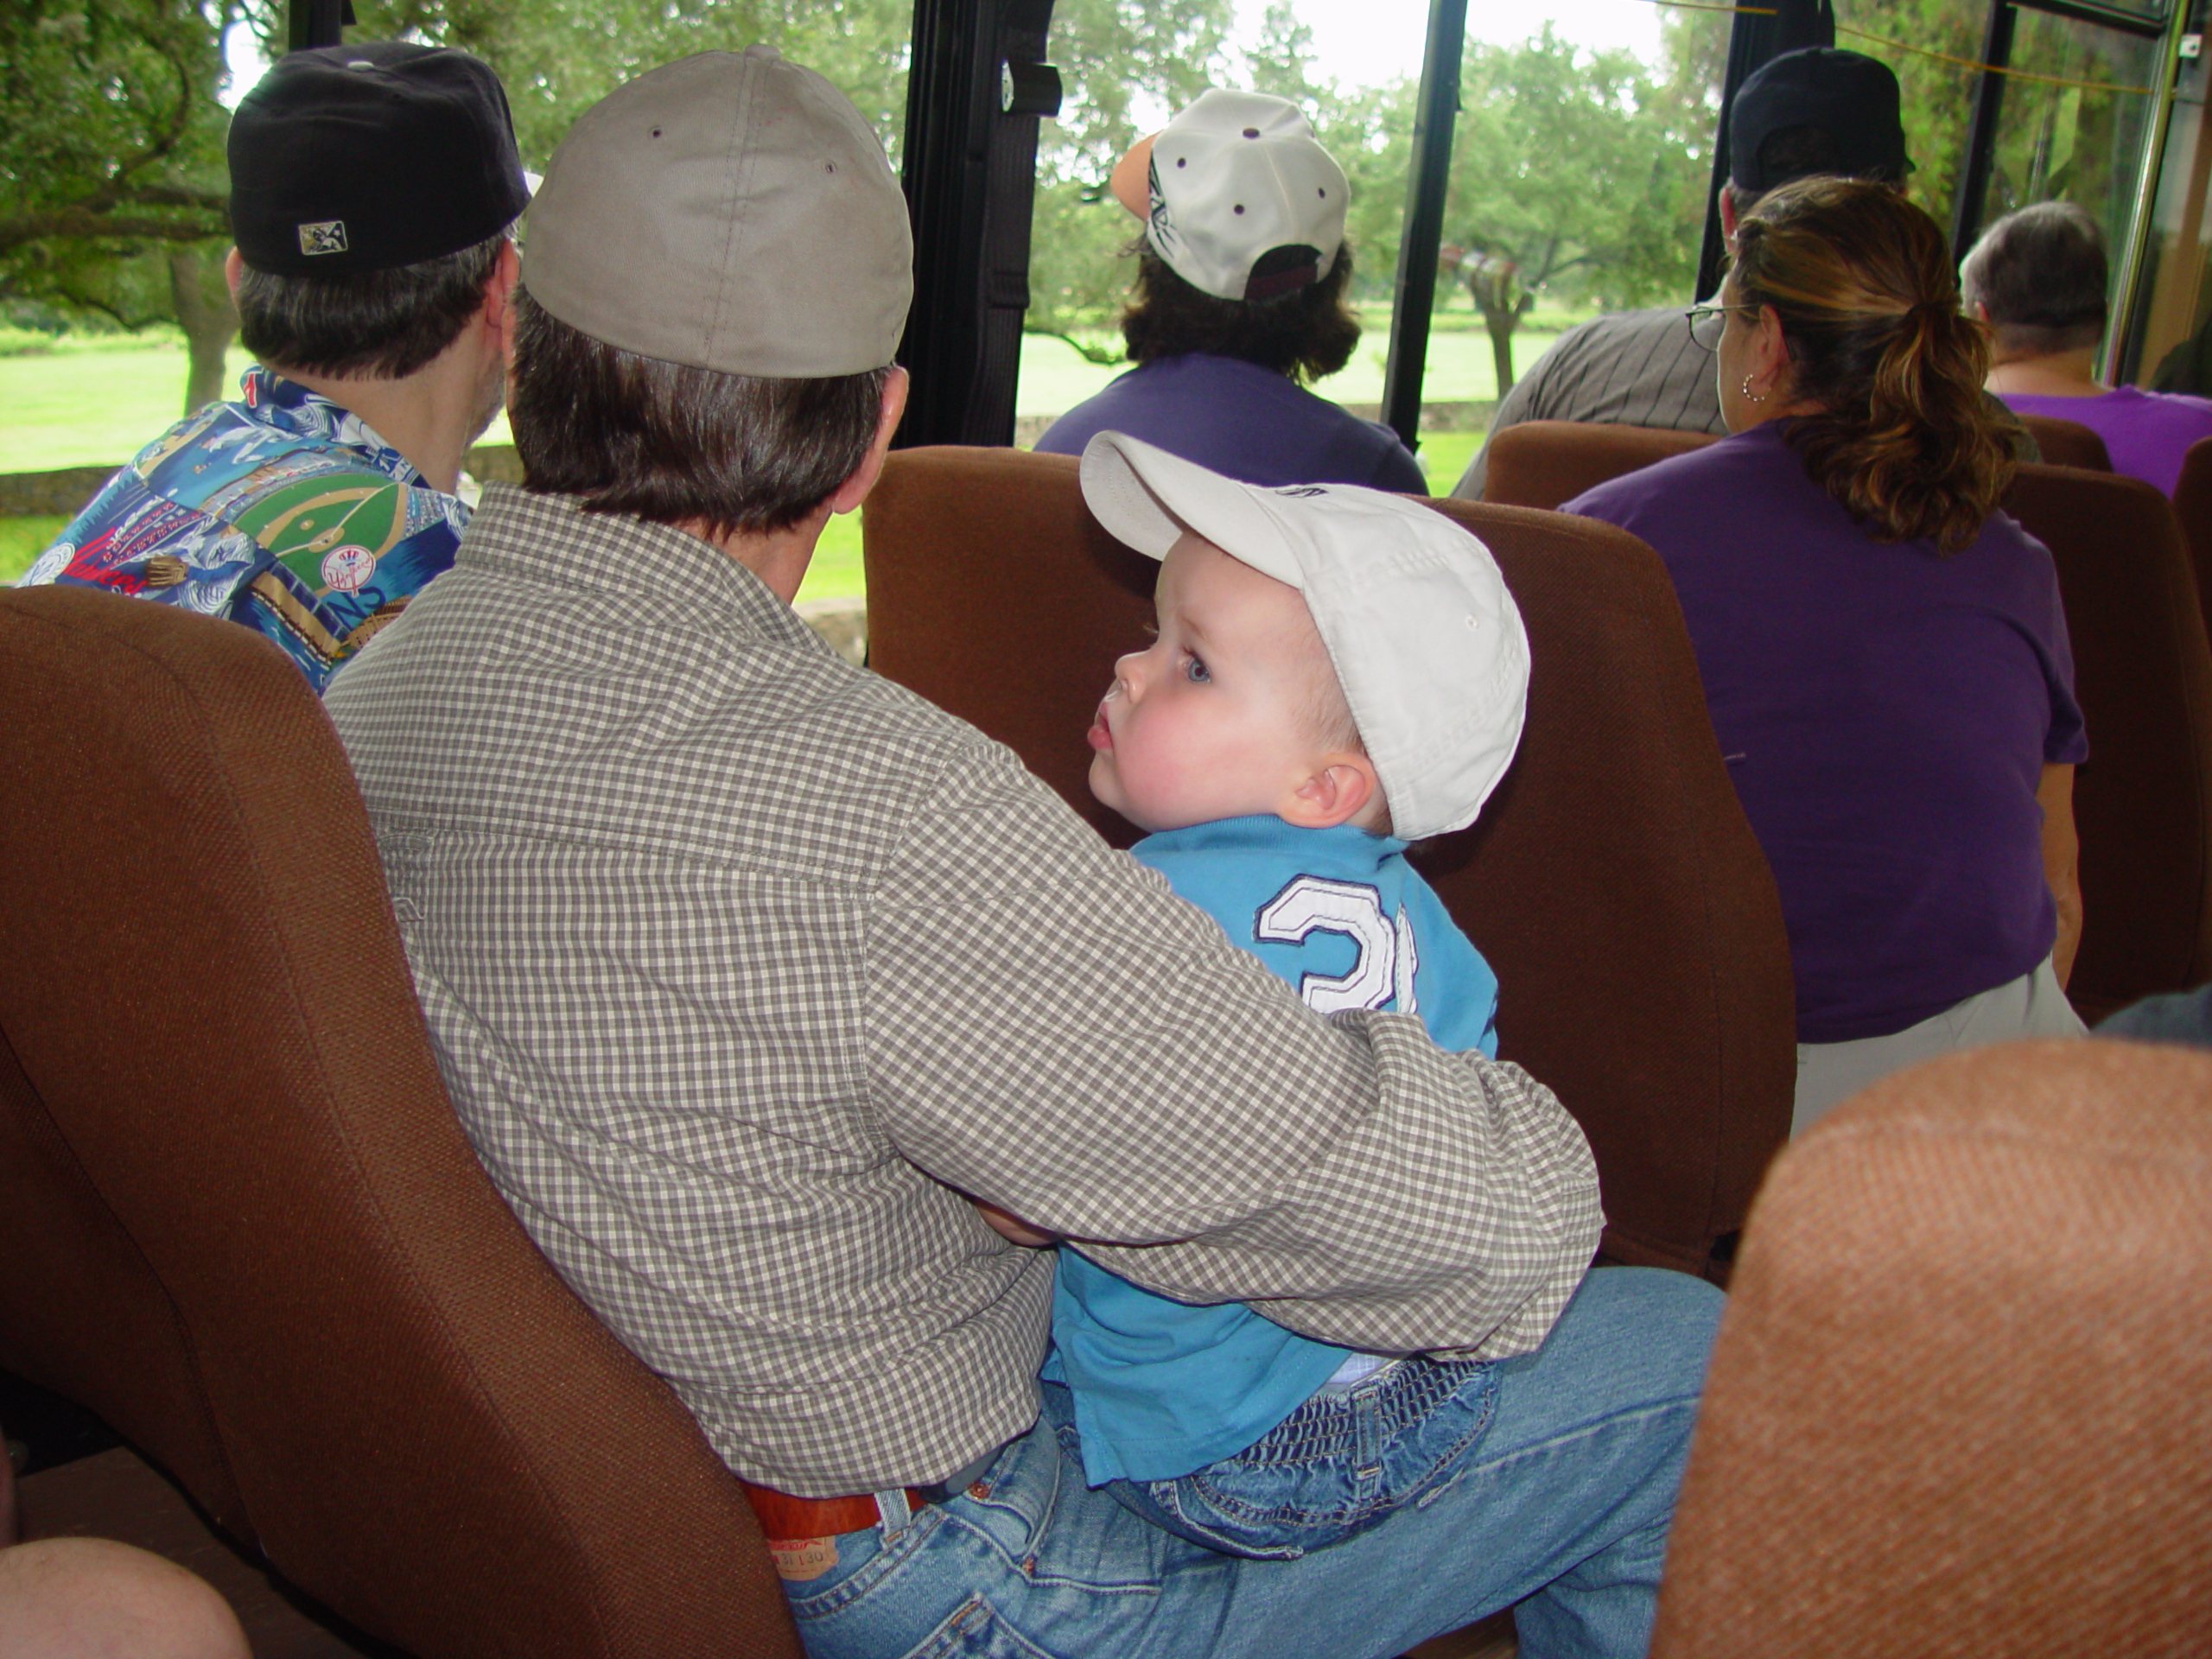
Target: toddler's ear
x=1336 y=794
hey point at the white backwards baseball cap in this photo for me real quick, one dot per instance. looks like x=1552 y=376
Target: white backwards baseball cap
x=730 y=210
x=1237 y=196
x=1427 y=642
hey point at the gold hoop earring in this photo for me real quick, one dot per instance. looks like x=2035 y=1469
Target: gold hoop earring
x=1749 y=395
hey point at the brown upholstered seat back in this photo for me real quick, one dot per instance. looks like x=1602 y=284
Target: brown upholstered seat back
x=1961 y=1395
x=2067 y=443
x=992 y=592
x=204 y=988
x=1612 y=881
x=1544 y=463
x=81 y=1311
x=2193 y=507
x=2143 y=672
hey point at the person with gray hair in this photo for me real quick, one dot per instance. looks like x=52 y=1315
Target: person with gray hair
x=2039 y=279
x=751 y=975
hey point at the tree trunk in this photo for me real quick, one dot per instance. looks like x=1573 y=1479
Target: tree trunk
x=202 y=299
x=1502 y=322
x=1503 y=301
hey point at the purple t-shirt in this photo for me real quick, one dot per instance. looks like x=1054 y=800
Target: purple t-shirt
x=2147 y=433
x=1885 y=716
x=1247 y=422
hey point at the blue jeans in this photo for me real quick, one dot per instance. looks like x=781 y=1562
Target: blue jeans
x=1559 y=1504
x=1338 y=1464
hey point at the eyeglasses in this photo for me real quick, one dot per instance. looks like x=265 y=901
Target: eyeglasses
x=1708 y=321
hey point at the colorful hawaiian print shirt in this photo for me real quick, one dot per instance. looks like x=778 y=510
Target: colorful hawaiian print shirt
x=282 y=512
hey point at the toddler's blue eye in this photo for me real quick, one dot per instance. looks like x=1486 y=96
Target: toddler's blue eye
x=1195 y=670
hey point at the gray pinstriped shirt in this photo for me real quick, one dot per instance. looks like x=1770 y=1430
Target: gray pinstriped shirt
x=739 y=961
x=1636 y=368
x=1630 y=368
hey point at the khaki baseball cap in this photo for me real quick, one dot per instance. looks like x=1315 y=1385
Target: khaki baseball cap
x=1426 y=639
x=732 y=211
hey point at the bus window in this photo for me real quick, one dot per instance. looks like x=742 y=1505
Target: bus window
x=2175 y=295
x=2079 y=136
x=1936 y=83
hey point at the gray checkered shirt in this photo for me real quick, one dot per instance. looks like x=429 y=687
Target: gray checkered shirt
x=742 y=964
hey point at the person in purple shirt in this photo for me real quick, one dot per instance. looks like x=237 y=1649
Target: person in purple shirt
x=1239 y=302
x=2037 y=278
x=1884 y=653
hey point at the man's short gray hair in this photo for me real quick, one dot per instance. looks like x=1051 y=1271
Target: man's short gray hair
x=2041 y=273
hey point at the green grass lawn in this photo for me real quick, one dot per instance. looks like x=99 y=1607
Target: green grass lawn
x=835 y=572
x=96 y=400
x=22 y=540
x=1444 y=456
x=836 y=568
x=92 y=400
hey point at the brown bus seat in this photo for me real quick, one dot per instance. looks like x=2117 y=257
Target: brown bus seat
x=2143 y=673
x=2193 y=507
x=1612 y=881
x=1545 y=463
x=1961 y=1394
x=81 y=1312
x=2067 y=443
x=220 y=1048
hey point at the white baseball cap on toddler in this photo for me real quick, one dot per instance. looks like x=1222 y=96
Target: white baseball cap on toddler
x=1426 y=639
x=1237 y=196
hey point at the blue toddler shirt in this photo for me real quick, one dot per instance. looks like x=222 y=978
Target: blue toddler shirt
x=1162 y=1387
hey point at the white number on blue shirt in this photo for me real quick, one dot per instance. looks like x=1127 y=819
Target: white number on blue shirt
x=1386 y=958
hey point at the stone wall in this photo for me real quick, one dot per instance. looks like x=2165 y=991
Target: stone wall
x=35 y=495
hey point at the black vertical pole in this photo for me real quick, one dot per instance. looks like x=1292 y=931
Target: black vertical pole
x=1981 y=136
x=315 y=23
x=1424 y=229
x=976 y=91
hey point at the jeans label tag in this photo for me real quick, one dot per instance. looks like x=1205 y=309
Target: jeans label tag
x=799 y=1560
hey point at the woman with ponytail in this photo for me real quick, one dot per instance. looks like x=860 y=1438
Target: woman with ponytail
x=1883 y=651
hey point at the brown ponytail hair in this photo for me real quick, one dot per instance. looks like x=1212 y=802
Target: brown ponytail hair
x=1862 y=281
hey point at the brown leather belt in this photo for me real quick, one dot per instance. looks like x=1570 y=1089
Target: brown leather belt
x=784 y=1517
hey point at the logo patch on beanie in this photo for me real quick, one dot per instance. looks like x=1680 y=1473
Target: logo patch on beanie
x=323 y=236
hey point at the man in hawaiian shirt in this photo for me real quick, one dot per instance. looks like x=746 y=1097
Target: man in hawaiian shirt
x=374 y=191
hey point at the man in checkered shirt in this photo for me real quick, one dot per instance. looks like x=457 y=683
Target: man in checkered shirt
x=748 y=971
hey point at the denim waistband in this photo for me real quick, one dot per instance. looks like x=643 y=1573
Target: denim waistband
x=961 y=1479
x=1400 y=1394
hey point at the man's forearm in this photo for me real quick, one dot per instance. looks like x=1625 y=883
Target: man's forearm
x=1094 y=1056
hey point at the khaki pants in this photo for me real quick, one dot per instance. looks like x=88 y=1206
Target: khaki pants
x=2031 y=1005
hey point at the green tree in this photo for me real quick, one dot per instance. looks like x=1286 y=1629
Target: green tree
x=1118 y=59
x=112 y=188
x=1937 y=97
x=1125 y=67
x=1574 y=170
x=557 y=58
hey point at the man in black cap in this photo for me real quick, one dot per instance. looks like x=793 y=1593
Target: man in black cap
x=1818 y=111
x=374 y=191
